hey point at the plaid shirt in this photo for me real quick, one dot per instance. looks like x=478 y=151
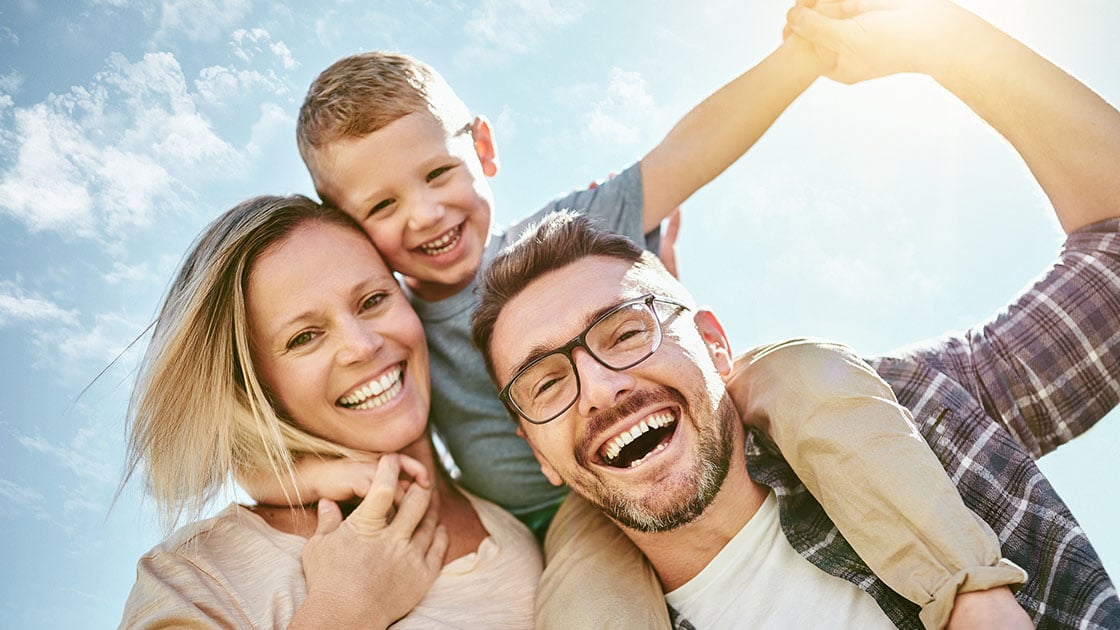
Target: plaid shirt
x=989 y=401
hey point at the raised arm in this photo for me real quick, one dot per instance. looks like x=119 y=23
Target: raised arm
x=1067 y=134
x=723 y=127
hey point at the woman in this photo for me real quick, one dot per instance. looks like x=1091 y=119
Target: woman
x=286 y=337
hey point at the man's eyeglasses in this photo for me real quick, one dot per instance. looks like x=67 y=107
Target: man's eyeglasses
x=619 y=339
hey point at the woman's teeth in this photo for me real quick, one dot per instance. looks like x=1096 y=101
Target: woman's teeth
x=377 y=392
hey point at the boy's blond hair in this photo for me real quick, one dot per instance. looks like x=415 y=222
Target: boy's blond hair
x=362 y=93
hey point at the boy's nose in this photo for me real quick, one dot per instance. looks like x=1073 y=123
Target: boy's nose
x=425 y=213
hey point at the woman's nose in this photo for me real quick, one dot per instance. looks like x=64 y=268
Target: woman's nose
x=359 y=343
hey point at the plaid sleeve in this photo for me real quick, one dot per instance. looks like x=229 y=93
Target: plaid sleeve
x=1048 y=365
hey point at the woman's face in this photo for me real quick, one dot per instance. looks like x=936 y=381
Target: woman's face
x=336 y=341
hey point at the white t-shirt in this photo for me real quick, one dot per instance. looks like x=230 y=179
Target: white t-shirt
x=759 y=581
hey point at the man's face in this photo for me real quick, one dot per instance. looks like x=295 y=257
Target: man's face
x=649 y=445
x=419 y=191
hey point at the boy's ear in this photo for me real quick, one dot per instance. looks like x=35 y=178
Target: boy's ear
x=485 y=146
x=546 y=468
x=711 y=331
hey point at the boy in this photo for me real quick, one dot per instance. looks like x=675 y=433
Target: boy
x=387 y=140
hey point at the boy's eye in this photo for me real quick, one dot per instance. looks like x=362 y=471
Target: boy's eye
x=437 y=172
x=302 y=338
x=381 y=205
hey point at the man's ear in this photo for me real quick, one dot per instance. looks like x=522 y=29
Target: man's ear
x=715 y=339
x=485 y=146
x=546 y=468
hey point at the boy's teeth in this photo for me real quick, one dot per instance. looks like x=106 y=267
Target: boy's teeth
x=376 y=392
x=615 y=446
x=443 y=243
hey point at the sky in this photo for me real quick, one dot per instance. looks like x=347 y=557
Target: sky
x=877 y=215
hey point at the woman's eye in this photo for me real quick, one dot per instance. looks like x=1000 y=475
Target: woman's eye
x=303 y=338
x=373 y=300
x=437 y=172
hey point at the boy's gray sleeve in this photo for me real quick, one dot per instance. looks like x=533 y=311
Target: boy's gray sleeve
x=615 y=205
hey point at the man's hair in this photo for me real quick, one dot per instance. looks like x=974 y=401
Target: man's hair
x=558 y=240
x=362 y=93
x=199 y=412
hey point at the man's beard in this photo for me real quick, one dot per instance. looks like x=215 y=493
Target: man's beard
x=690 y=493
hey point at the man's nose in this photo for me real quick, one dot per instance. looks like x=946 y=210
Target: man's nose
x=600 y=387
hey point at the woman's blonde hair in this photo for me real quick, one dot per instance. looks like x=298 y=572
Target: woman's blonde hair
x=198 y=413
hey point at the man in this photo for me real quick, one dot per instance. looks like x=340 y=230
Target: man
x=987 y=401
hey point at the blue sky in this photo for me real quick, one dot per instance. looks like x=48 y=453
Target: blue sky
x=876 y=215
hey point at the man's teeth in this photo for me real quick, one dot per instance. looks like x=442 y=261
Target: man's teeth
x=443 y=243
x=615 y=446
x=660 y=447
x=375 y=393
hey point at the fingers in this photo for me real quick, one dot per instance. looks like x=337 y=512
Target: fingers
x=372 y=513
x=440 y=542
x=329 y=517
x=419 y=472
x=413 y=507
x=818 y=29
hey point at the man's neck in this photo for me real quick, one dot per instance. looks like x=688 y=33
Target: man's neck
x=679 y=555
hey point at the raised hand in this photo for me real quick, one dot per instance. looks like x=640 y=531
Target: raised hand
x=375 y=566
x=874 y=38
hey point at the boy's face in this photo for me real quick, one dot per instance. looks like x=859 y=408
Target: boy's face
x=420 y=192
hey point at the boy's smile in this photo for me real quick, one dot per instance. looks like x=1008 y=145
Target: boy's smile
x=420 y=192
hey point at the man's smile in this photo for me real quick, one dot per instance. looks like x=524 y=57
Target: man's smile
x=629 y=447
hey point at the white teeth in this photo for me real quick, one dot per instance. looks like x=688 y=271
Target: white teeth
x=376 y=392
x=615 y=446
x=660 y=447
x=443 y=243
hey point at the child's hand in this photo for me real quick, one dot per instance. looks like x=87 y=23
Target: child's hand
x=316 y=478
x=873 y=38
x=671 y=228
x=378 y=563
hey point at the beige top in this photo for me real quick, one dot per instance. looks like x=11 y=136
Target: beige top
x=235 y=571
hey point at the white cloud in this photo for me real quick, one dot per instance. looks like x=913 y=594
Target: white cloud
x=499 y=29
x=103 y=157
x=128 y=274
x=8 y=34
x=26 y=500
x=250 y=43
x=11 y=83
x=219 y=85
x=623 y=113
x=17 y=307
x=200 y=20
x=70 y=351
x=274 y=122
x=80 y=455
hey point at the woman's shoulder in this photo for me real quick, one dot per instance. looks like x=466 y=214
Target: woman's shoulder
x=228 y=537
x=231 y=568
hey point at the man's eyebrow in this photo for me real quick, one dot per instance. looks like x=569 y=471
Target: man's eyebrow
x=541 y=349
